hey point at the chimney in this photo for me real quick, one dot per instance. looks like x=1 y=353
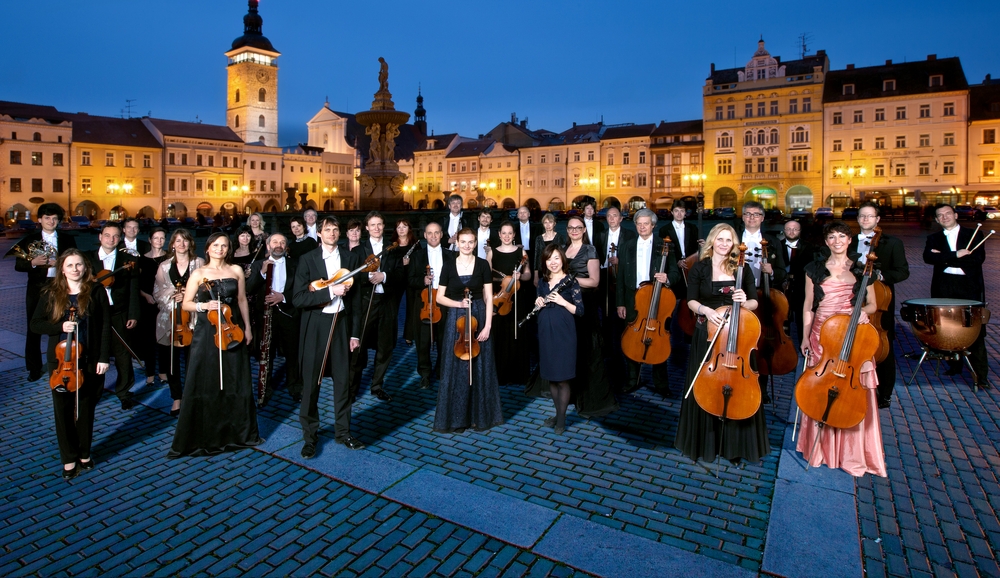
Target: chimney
x=987 y=80
x=713 y=68
x=850 y=67
x=987 y=76
x=513 y=118
x=888 y=62
x=524 y=123
x=821 y=53
x=932 y=57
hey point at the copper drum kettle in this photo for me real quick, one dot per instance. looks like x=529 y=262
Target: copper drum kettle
x=945 y=324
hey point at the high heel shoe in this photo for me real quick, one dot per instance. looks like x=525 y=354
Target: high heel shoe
x=175 y=412
x=70 y=474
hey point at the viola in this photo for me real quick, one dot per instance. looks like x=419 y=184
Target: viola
x=776 y=353
x=503 y=301
x=107 y=278
x=346 y=277
x=647 y=337
x=830 y=391
x=726 y=385
x=66 y=377
x=883 y=299
x=429 y=311
x=182 y=334
x=228 y=334
x=466 y=346
x=685 y=317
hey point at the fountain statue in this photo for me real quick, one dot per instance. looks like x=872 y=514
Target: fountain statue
x=381 y=181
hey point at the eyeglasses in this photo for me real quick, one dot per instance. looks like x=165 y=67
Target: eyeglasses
x=754 y=215
x=575 y=228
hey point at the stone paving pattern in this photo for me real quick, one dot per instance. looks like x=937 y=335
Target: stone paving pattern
x=253 y=511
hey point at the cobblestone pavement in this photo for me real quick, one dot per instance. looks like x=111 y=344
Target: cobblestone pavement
x=615 y=481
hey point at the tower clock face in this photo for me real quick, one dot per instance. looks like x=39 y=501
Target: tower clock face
x=263 y=76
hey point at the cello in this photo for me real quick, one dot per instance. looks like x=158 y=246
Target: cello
x=647 y=337
x=467 y=346
x=883 y=299
x=726 y=384
x=830 y=391
x=776 y=353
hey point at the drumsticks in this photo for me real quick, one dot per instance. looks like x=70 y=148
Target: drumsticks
x=978 y=226
x=980 y=244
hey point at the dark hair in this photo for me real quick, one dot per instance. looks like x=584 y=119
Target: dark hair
x=485 y=211
x=454 y=197
x=51 y=209
x=872 y=205
x=467 y=231
x=507 y=223
x=126 y=220
x=57 y=289
x=371 y=215
x=239 y=231
x=215 y=237
x=328 y=220
x=678 y=204
x=941 y=206
x=411 y=236
x=752 y=205
x=297 y=219
x=586 y=236
x=353 y=224
x=547 y=253
x=108 y=224
x=184 y=234
x=837 y=227
x=156 y=230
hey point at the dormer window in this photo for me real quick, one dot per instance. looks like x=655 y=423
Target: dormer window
x=888 y=85
x=936 y=80
x=848 y=89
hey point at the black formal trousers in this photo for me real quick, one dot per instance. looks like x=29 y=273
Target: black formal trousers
x=75 y=434
x=958 y=287
x=315 y=330
x=284 y=340
x=612 y=327
x=379 y=334
x=123 y=359
x=32 y=340
x=424 y=348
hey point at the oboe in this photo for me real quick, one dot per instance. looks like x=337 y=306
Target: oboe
x=558 y=287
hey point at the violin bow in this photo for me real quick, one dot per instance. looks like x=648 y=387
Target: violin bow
x=709 y=351
x=326 y=350
x=364 y=327
x=795 y=427
x=468 y=332
x=431 y=297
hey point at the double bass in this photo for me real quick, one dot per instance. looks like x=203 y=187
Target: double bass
x=776 y=353
x=647 y=337
x=830 y=392
x=726 y=384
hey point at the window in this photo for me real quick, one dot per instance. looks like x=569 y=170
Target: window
x=211 y=185
x=147 y=187
x=57 y=159
x=793 y=106
x=253 y=164
x=640 y=180
x=948 y=168
x=760 y=164
x=57 y=185
x=901 y=170
x=724 y=166
x=925 y=111
x=748 y=165
x=880 y=142
x=440 y=165
x=836 y=172
x=341 y=168
x=198 y=160
x=675 y=159
x=626 y=180
x=84 y=185
x=147 y=161
x=879 y=170
x=15 y=157
x=748 y=110
x=695 y=158
x=507 y=184
x=924 y=169
x=557 y=157
x=879 y=115
x=774 y=108
x=184 y=185
x=838 y=145
x=859 y=116
x=171 y=159
x=925 y=140
x=109 y=159
x=661 y=160
x=642 y=157
x=901 y=142
x=590 y=157
x=838 y=118
x=261 y=96
x=949 y=139
x=473 y=166
x=225 y=185
x=464 y=165
x=128 y=160
x=888 y=85
x=253 y=185
x=989 y=168
x=237 y=98
x=225 y=160
x=454 y=166
x=848 y=89
x=260 y=120
x=36 y=159
x=576 y=156
x=611 y=159
x=761 y=138
x=37 y=136
x=989 y=136
x=858 y=144
x=949 y=109
x=609 y=180
x=900 y=113
x=15 y=185
x=936 y=80
x=800 y=135
x=273 y=189
x=171 y=185
x=748 y=138
x=760 y=109
x=730 y=111
x=184 y=159
x=718 y=112
x=198 y=185
x=625 y=158
x=800 y=163
x=773 y=165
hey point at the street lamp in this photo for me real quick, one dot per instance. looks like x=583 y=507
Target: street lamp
x=699 y=180
x=851 y=171
x=243 y=200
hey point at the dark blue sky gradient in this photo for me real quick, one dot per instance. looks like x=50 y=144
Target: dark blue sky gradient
x=552 y=61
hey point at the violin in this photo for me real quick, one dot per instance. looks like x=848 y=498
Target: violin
x=776 y=353
x=685 y=317
x=647 y=337
x=726 y=385
x=429 y=313
x=228 y=334
x=466 y=346
x=66 y=377
x=503 y=301
x=182 y=334
x=883 y=299
x=346 y=277
x=830 y=391
x=107 y=278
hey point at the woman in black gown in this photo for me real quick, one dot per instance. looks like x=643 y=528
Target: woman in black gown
x=512 y=359
x=548 y=236
x=246 y=250
x=591 y=388
x=148 y=310
x=407 y=240
x=712 y=284
x=216 y=417
x=557 y=331
x=460 y=405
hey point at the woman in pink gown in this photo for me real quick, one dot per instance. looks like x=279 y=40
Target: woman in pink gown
x=831 y=284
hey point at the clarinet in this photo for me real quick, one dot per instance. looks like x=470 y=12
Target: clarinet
x=559 y=286
x=265 y=339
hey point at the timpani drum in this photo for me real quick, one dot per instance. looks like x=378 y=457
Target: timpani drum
x=945 y=324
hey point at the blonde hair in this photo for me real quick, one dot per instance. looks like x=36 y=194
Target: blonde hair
x=709 y=248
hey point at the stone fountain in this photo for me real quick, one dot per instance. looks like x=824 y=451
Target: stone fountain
x=381 y=181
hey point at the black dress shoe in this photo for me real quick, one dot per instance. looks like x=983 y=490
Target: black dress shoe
x=351 y=442
x=128 y=403
x=382 y=395
x=984 y=385
x=175 y=412
x=309 y=450
x=34 y=375
x=425 y=384
x=297 y=398
x=70 y=474
x=87 y=465
x=883 y=404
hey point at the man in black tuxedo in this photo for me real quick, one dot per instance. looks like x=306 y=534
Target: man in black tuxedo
x=454 y=222
x=890 y=268
x=639 y=261
x=594 y=227
x=335 y=307
x=124 y=298
x=130 y=241
x=378 y=316
x=797 y=253
x=613 y=325
x=435 y=256
x=685 y=243
x=284 y=315
x=487 y=238
x=958 y=274
x=40 y=269
x=525 y=232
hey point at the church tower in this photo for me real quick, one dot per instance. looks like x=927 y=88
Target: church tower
x=420 y=115
x=252 y=90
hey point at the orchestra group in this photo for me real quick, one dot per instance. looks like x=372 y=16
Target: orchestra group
x=573 y=316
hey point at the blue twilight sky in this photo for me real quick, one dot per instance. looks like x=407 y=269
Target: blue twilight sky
x=553 y=61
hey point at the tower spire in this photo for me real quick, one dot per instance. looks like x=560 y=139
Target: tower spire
x=420 y=115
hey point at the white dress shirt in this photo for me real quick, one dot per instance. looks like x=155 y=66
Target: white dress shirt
x=454 y=225
x=643 y=253
x=311 y=232
x=109 y=264
x=278 y=276
x=863 y=247
x=952 y=237
x=435 y=258
x=377 y=249
x=589 y=223
x=612 y=238
x=482 y=238
x=132 y=246
x=52 y=239
x=332 y=261
x=752 y=241
x=526 y=235
x=679 y=236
